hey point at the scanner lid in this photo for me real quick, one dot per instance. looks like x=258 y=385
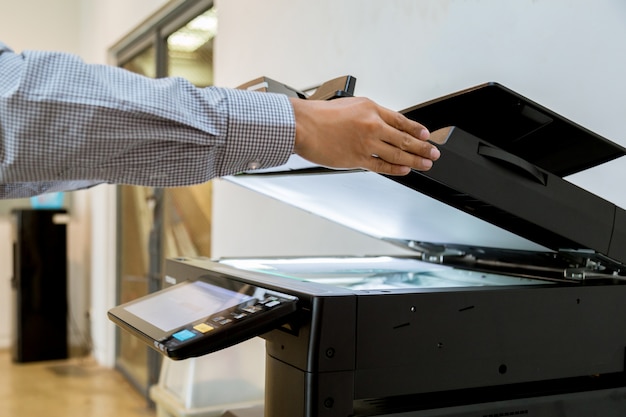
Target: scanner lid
x=520 y=126
x=490 y=188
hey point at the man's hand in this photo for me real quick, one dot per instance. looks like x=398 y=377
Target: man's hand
x=358 y=133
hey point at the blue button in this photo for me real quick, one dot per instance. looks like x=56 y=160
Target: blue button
x=184 y=335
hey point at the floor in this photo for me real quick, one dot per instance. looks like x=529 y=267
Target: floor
x=71 y=388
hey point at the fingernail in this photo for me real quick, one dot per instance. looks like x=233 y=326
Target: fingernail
x=427 y=164
x=434 y=154
x=424 y=134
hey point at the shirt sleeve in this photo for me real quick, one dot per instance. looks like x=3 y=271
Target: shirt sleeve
x=66 y=125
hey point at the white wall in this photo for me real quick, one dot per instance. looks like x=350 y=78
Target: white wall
x=41 y=24
x=568 y=55
x=46 y=25
x=6 y=302
x=87 y=28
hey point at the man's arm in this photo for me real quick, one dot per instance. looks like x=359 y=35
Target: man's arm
x=65 y=122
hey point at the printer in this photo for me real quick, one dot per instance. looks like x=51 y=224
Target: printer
x=510 y=300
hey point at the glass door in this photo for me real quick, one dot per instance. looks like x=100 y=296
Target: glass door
x=187 y=223
x=153 y=223
x=190 y=49
x=135 y=223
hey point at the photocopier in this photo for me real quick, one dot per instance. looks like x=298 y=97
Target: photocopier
x=509 y=300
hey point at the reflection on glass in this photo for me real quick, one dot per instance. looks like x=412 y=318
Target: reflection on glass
x=187 y=223
x=144 y=63
x=190 y=50
x=377 y=273
x=135 y=222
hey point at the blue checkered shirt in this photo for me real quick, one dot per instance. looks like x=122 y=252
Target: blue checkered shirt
x=67 y=125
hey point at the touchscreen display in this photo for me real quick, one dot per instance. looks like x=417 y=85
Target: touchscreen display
x=204 y=314
x=185 y=304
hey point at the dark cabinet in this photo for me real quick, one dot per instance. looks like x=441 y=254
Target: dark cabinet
x=40 y=285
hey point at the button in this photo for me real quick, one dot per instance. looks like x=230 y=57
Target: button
x=203 y=328
x=225 y=321
x=239 y=316
x=272 y=304
x=252 y=309
x=184 y=335
x=256 y=164
x=172 y=343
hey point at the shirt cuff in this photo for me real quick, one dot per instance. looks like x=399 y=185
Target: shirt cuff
x=261 y=131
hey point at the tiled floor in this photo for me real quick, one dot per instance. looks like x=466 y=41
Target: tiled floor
x=72 y=388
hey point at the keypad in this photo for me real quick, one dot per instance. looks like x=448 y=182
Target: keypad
x=226 y=318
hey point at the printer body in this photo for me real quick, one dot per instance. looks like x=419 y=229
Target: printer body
x=510 y=299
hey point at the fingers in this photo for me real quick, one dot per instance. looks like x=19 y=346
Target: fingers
x=401 y=123
x=405 y=144
x=358 y=133
x=402 y=149
x=382 y=165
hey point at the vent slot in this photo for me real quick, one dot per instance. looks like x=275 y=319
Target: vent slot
x=508 y=414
